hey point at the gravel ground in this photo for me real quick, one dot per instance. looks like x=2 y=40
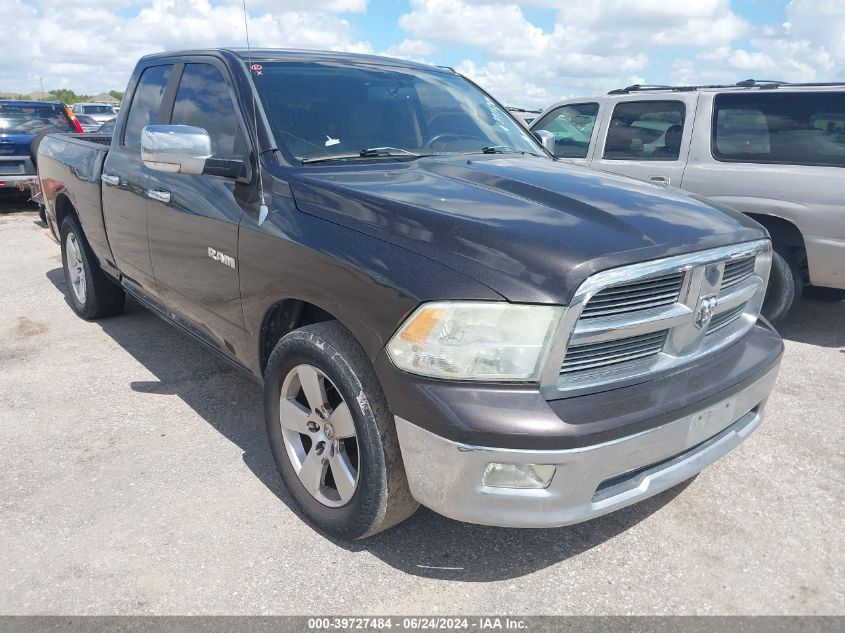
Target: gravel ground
x=136 y=479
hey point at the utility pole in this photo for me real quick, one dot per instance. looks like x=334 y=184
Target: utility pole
x=41 y=96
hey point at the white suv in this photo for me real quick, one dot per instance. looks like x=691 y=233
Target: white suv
x=100 y=112
x=774 y=151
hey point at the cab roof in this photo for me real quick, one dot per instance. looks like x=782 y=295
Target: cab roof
x=30 y=102
x=296 y=55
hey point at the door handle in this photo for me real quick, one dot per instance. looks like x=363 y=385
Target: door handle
x=663 y=181
x=162 y=195
x=110 y=179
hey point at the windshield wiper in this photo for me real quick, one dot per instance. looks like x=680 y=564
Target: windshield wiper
x=389 y=151
x=504 y=149
x=498 y=149
x=371 y=152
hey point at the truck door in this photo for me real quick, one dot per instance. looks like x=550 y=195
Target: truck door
x=125 y=181
x=194 y=218
x=647 y=137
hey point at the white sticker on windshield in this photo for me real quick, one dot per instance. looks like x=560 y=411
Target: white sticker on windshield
x=331 y=141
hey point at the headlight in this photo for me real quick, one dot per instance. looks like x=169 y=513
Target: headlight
x=475 y=340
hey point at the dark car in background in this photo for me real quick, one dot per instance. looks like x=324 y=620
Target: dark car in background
x=21 y=123
x=107 y=127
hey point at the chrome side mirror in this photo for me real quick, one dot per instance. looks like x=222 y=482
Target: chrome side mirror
x=547 y=140
x=181 y=149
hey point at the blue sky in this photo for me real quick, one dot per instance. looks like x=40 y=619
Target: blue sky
x=527 y=53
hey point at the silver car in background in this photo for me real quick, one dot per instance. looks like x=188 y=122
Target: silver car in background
x=773 y=150
x=100 y=112
x=87 y=123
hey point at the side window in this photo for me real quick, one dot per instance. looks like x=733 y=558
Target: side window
x=203 y=100
x=572 y=126
x=145 y=104
x=645 y=130
x=798 y=128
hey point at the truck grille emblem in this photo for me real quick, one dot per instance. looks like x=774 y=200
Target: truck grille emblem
x=704 y=311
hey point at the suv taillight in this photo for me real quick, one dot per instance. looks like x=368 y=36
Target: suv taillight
x=76 y=127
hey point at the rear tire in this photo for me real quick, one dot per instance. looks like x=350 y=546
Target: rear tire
x=370 y=491
x=786 y=284
x=92 y=295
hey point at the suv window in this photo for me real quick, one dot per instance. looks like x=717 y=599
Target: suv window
x=96 y=109
x=146 y=103
x=572 y=126
x=806 y=128
x=645 y=130
x=203 y=100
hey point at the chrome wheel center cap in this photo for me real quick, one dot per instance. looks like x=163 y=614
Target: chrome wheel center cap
x=328 y=430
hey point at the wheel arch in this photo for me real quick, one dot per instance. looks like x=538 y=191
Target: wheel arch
x=782 y=231
x=285 y=316
x=63 y=207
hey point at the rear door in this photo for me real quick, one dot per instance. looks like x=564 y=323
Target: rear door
x=779 y=153
x=125 y=180
x=647 y=137
x=194 y=219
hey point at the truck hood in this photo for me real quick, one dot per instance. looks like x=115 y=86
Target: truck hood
x=530 y=228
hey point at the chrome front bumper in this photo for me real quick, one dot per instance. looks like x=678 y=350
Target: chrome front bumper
x=446 y=476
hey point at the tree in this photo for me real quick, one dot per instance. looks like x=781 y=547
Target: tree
x=68 y=96
x=116 y=94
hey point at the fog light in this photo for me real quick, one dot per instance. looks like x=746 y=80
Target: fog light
x=518 y=475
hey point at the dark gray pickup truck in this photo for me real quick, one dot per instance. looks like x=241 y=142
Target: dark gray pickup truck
x=438 y=310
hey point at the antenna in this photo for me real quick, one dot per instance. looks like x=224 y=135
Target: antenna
x=263 y=211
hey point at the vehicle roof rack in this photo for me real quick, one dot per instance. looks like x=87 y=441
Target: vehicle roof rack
x=762 y=84
x=638 y=87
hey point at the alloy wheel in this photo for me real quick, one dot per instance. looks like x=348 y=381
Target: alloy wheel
x=75 y=267
x=319 y=435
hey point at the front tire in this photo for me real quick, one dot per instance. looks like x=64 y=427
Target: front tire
x=91 y=294
x=786 y=285
x=332 y=433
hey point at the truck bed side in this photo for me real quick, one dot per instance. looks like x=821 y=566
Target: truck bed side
x=69 y=167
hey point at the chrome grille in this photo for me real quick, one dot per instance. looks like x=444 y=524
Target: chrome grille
x=595 y=355
x=737 y=270
x=724 y=319
x=639 y=295
x=632 y=323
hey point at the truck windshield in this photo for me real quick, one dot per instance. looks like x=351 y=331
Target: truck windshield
x=24 y=118
x=324 y=110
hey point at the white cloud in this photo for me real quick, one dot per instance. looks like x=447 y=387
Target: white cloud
x=593 y=46
x=411 y=49
x=809 y=46
x=596 y=45
x=92 y=46
x=588 y=46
